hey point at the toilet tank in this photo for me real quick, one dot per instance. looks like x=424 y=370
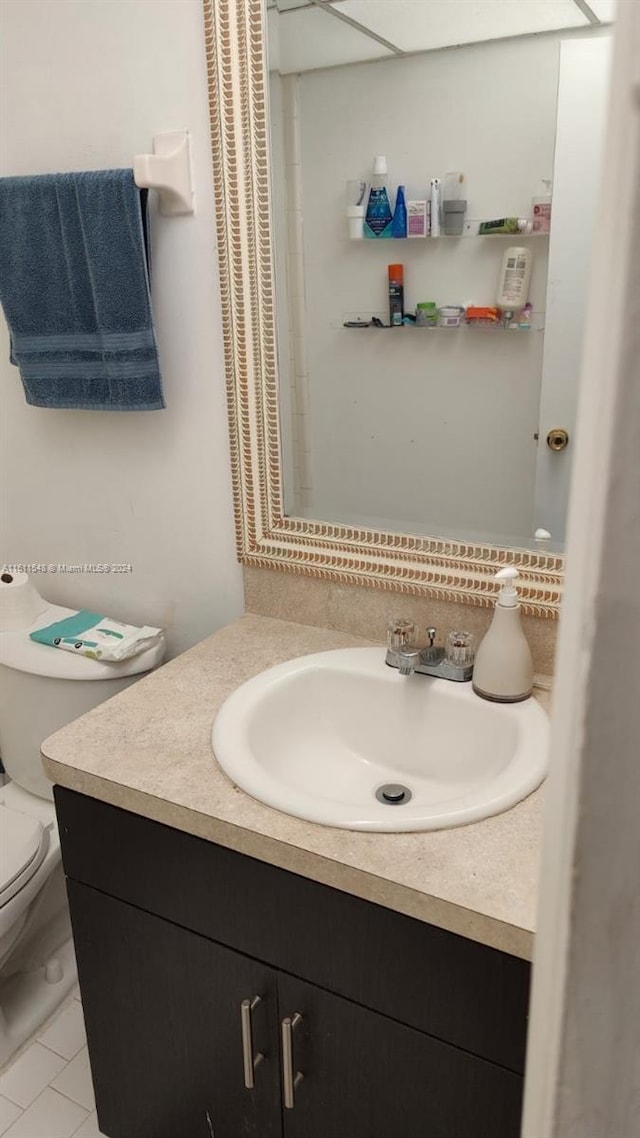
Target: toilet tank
x=44 y=688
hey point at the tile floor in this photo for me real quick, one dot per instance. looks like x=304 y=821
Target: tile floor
x=47 y=1090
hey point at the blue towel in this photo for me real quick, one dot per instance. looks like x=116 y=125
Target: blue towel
x=74 y=285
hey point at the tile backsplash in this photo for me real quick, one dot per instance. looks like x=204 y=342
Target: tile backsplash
x=366 y=612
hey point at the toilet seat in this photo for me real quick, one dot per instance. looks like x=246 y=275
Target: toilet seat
x=24 y=842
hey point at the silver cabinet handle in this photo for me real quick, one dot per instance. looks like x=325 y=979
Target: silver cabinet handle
x=290 y=1081
x=249 y=1061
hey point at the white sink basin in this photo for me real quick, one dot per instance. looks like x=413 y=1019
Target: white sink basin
x=318 y=736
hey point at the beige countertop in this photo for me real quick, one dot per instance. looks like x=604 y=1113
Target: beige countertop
x=148 y=750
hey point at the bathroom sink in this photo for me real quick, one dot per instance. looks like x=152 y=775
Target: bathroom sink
x=342 y=739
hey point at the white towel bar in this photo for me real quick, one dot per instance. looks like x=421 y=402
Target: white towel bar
x=168 y=170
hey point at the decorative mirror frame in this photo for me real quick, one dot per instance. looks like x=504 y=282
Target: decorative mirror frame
x=449 y=570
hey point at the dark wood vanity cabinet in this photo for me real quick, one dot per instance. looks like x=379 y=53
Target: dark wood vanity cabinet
x=162 y=1011
x=397 y=1029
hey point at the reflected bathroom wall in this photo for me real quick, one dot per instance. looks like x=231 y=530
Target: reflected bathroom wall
x=403 y=429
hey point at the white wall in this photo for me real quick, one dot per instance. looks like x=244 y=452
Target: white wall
x=397 y=423
x=85 y=85
x=284 y=338
x=287 y=235
x=585 y=66
x=583 y=1068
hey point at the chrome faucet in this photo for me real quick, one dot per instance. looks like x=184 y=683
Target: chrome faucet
x=455 y=662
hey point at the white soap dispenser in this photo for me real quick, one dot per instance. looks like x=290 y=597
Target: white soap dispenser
x=503 y=669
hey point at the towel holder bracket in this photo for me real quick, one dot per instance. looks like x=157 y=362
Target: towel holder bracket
x=168 y=170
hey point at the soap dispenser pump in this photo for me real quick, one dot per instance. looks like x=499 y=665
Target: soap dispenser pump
x=503 y=670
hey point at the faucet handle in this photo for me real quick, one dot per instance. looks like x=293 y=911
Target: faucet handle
x=461 y=648
x=401 y=634
x=431 y=633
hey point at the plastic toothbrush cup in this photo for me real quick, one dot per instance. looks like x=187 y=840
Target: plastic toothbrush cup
x=453 y=212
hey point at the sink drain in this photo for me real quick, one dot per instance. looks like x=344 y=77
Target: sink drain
x=393 y=794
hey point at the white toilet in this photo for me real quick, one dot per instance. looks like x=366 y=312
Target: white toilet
x=41 y=689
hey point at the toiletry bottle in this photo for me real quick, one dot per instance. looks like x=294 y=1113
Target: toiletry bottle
x=503 y=670
x=378 y=219
x=399 y=223
x=396 y=295
x=417 y=218
x=356 y=206
x=435 y=197
x=426 y=314
x=515 y=278
x=541 y=209
x=506 y=225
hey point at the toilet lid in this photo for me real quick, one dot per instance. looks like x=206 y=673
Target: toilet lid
x=23 y=845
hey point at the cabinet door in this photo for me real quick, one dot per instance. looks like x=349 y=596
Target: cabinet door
x=366 y=1076
x=163 y=1015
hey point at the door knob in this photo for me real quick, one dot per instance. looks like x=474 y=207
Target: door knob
x=558 y=438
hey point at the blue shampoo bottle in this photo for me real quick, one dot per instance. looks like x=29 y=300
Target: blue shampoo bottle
x=399 y=223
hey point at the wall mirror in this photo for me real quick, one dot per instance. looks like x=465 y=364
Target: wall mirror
x=402 y=457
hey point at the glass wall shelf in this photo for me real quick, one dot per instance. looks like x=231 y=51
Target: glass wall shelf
x=470 y=229
x=358 y=323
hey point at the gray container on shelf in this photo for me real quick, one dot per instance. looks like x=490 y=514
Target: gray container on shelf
x=453 y=212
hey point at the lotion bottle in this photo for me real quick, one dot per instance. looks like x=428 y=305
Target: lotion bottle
x=515 y=278
x=541 y=209
x=503 y=670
